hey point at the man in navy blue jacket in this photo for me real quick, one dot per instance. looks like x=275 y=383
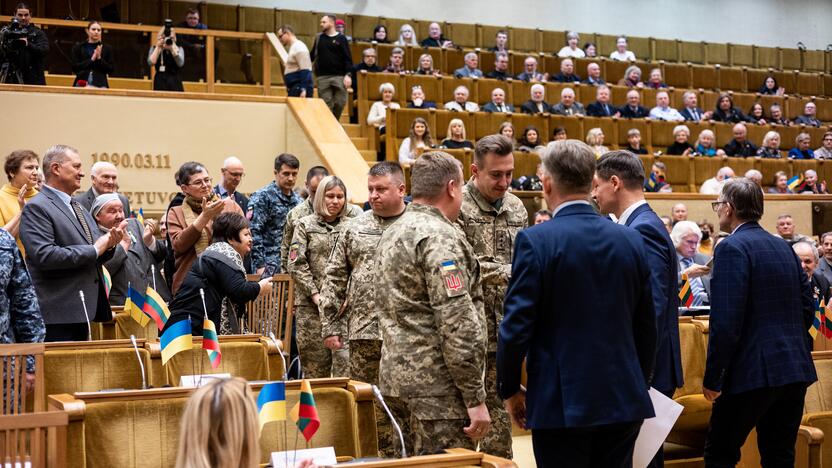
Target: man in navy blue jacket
x=618 y=189
x=589 y=343
x=759 y=349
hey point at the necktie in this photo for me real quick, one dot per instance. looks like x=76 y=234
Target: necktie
x=606 y=109
x=696 y=285
x=695 y=115
x=79 y=213
x=569 y=111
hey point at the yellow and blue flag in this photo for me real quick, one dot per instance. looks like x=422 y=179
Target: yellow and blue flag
x=134 y=305
x=176 y=339
x=271 y=403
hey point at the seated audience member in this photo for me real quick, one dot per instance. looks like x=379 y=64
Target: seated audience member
x=559 y=134
x=417 y=99
x=530 y=73
x=825 y=151
x=507 y=130
x=220 y=273
x=531 y=182
x=378 y=111
x=593 y=75
x=435 y=38
x=571 y=48
x=679 y=212
x=568 y=105
x=500 y=71
x=498 y=102
x=190 y=225
x=567 y=73
x=809 y=257
x=686 y=237
x=530 y=140
x=657 y=181
x=663 y=111
x=681 y=145
x=341 y=27
x=740 y=146
x=705 y=144
x=461 y=102
x=668 y=223
x=469 y=70
x=706 y=245
x=621 y=53
x=21 y=168
x=713 y=186
x=595 y=140
x=590 y=50
x=655 y=81
x=769 y=87
x=780 y=184
x=785 y=230
x=135 y=255
x=633 y=109
x=541 y=216
x=537 y=103
x=770 y=148
x=92 y=60
x=809 y=117
x=407 y=36
x=104 y=179
x=425 y=66
x=602 y=106
x=726 y=112
x=811 y=185
x=755 y=176
x=456 y=138
x=369 y=57
x=691 y=112
x=396 y=64
x=756 y=114
x=801 y=149
x=417 y=142
x=634 y=142
x=632 y=78
x=380 y=35
x=777 y=117
x=168 y=60
x=500 y=42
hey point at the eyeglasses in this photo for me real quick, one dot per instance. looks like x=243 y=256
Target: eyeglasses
x=202 y=182
x=236 y=174
x=715 y=205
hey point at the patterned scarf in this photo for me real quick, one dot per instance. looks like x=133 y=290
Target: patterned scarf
x=191 y=208
x=229 y=312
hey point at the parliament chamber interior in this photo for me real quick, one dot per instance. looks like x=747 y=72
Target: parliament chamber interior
x=169 y=101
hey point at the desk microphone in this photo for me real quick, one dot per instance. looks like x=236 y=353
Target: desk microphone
x=86 y=314
x=282 y=358
x=380 y=399
x=139 y=358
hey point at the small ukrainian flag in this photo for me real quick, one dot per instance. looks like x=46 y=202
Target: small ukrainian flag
x=271 y=403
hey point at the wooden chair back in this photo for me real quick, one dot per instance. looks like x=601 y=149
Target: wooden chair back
x=34 y=440
x=271 y=313
x=13 y=359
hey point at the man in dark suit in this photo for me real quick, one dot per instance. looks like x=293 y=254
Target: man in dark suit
x=567 y=73
x=537 y=104
x=498 y=102
x=232 y=174
x=104 y=177
x=759 y=360
x=686 y=237
x=825 y=263
x=65 y=251
x=602 y=106
x=617 y=189
x=808 y=255
x=578 y=413
x=568 y=105
x=691 y=112
x=633 y=109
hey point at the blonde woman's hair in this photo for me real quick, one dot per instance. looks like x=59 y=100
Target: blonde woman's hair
x=402 y=41
x=453 y=122
x=706 y=132
x=219 y=427
x=592 y=136
x=386 y=86
x=680 y=128
x=769 y=135
x=319 y=203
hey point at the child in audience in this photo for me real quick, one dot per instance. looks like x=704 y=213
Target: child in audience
x=507 y=130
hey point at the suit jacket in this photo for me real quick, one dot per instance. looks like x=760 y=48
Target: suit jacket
x=87 y=198
x=561 y=78
x=596 y=109
x=761 y=309
x=242 y=200
x=529 y=107
x=491 y=107
x=560 y=109
x=627 y=113
x=824 y=269
x=62 y=262
x=688 y=115
x=134 y=266
x=661 y=256
x=555 y=318
x=699 y=259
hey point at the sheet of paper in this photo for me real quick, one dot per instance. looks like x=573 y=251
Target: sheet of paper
x=322 y=456
x=655 y=430
x=200 y=380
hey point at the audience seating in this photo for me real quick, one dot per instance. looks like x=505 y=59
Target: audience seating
x=34 y=439
x=692 y=425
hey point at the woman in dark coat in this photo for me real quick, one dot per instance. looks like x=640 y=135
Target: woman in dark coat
x=92 y=60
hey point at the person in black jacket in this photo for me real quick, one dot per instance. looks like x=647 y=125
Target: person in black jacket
x=26 y=57
x=633 y=109
x=168 y=59
x=332 y=61
x=219 y=272
x=726 y=112
x=92 y=61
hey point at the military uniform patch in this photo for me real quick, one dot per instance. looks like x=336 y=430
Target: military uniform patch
x=293 y=252
x=452 y=278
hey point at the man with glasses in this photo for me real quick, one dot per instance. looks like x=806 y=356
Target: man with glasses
x=232 y=174
x=298 y=69
x=759 y=352
x=693 y=265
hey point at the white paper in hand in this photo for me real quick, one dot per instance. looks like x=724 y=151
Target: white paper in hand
x=655 y=430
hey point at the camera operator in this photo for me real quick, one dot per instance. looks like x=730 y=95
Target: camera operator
x=168 y=58
x=23 y=47
x=92 y=60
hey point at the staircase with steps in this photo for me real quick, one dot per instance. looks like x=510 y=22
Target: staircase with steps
x=362 y=144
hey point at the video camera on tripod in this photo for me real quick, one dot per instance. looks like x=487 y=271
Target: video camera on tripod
x=10 y=47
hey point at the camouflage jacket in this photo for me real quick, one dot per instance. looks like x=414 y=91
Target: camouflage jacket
x=268 y=208
x=301 y=211
x=349 y=278
x=429 y=300
x=491 y=233
x=20 y=318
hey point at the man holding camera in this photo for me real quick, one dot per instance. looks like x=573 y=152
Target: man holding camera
x=22 y=49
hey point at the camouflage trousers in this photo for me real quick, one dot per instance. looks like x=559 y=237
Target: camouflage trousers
x=317 y=360
x=430 y=425
x=365 y=356
x=498 y=440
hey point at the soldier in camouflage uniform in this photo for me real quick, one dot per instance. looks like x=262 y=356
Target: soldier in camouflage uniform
x=433 y=329
x=267 y=210
x=313 y=178
x=347 y=304
x=312 y=243
x=20 y=318
x=491 y=217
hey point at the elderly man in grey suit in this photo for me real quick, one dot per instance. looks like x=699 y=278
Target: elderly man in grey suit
x=64 y=250
x=104 y=177
x=825 y=263
x=135 y=258
x=686 y=236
